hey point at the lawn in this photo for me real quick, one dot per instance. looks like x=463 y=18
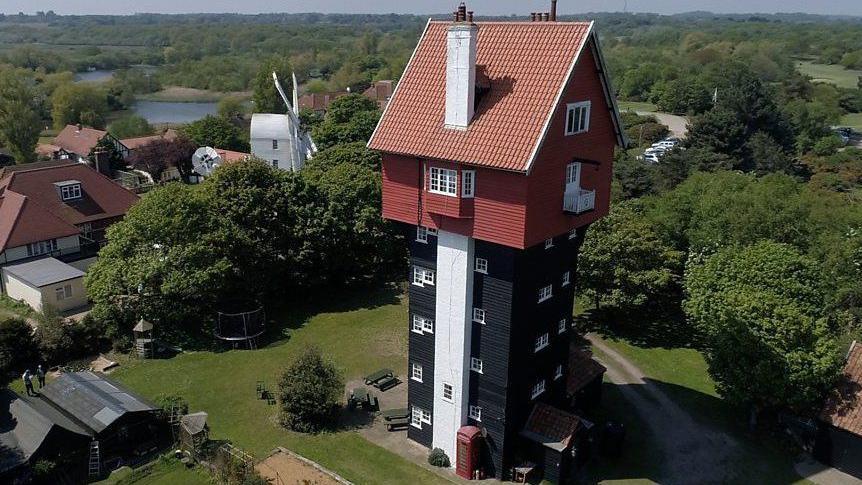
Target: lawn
x=853 y=120
x=834 y=73
x=361 y=333
x=636 y=106
x=682 y=374
x=162 y=472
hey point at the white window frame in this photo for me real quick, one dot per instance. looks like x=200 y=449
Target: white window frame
x=479 y=315
x=573 y=233
x=573 y=174
x=542 y=341
x=42 y=247
x=549 y=243
x=481 y=265
x=578 y=117
x=275 y=144
x=546 y=293
x=567 y=278
x=538 y=389
x=426 y=416
x=476 y=365
x=443 y=181
x=562 y=326
x=422 y=325
x=468 y=184
x=475 y=413
x=70 y=192
x=423 y=276
x=416 y=372
x=448 y=387
x=558 y=372
x=431 y=231
x=422 y=234
x=275 y=163
x=60 y=294
x=419 y=416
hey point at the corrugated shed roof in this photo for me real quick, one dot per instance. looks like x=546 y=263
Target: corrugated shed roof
x=527 y=64
x=843 y=408
x=42 y=272
x=93 y=399
x=551 y=427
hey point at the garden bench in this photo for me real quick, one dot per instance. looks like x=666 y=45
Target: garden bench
x=387 y=383
x=373 y=379
x=397 y=422
x=392 y=414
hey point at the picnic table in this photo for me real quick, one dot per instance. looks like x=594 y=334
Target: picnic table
x=396 y=417
x=360 y=396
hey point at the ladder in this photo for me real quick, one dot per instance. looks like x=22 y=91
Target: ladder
x=95 y=468
x=252 y=344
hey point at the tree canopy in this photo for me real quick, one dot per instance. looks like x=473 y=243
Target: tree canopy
x=20 y=123
x=310 y=390
x=216 y=132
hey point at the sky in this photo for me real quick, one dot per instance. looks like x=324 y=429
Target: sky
x=481 y=7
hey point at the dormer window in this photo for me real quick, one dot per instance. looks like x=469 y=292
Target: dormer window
x=69 y=190
x=443 y=181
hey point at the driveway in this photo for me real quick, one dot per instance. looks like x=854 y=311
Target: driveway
x=694 y=452
x=678 y=125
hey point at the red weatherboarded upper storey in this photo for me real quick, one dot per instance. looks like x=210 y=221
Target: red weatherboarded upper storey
x=526 y=63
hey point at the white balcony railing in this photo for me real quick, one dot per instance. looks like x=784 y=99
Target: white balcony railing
x=579 y=200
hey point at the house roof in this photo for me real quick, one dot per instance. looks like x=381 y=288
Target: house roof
x=35 y=211
x=43 y=272
x=551 y=427
x=93 y=399
x=380 y=91
x=319 y=101
x=231 y=156
x=270 y=126
x=78 y=140
x=583 y=369
x=133 y=143
x=527 y=64
x=194 y=423
x=843 y=408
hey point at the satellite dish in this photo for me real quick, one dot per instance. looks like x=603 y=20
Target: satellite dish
x=205 y=160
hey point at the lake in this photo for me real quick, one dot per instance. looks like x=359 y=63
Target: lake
x=158 y=112
x=97 y=76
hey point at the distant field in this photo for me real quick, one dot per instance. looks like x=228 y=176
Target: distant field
x=853 y=120
x=177 y=94
x=835 y=74
x=636 y=106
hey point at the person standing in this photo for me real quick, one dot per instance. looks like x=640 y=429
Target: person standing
x=40 y=375
x=28 y=382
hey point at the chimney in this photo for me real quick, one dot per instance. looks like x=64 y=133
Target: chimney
x=545 y=16
x=532 y=16
x=461 y=70
x=553 y=10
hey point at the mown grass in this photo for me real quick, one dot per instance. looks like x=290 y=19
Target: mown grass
x=636 y=106
x=165 y=471
x=831 y=73
x=853 y=120
x=361 y=333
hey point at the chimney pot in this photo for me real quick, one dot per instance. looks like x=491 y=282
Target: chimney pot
x=470 y=16
x=532 y=16
x=545 y=16
x=462 y=12
x=553 y=10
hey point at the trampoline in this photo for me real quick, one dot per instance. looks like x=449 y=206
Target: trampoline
x=241 y=327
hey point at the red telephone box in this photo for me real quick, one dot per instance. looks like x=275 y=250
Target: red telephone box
x=468 y=446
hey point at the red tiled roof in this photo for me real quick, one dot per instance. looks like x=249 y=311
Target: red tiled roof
x=33 y=211
x=551 y=427
x=527 y=63
x=133 y=143
x=231 y=156
x=583 y=369
x=319 y=101
x=76 y=141
x=380 y=91
x=843 y=408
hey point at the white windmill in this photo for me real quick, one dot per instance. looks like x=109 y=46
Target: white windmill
x=279 y=138
x=205 y=160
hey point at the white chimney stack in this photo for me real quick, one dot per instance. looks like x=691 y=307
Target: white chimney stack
x=461 y=69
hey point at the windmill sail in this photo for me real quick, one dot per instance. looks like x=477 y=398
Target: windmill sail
x=303 y=146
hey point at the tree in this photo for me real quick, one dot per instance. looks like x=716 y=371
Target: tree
x=624 y=262
x=356 y=153
x=349 y=119
x=18 y=349
x=768 y=156
x=266 y=98
x=231 y=108
x=768 y=340
x=216 y=132
x=309 y=391
x=19 y=115
x=130 y=126
x=79 y=103
x=159 y=155
x=106 y=151
x=682 y=95
x=635 y=177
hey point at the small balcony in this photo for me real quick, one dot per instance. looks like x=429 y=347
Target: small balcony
x=579 y=201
